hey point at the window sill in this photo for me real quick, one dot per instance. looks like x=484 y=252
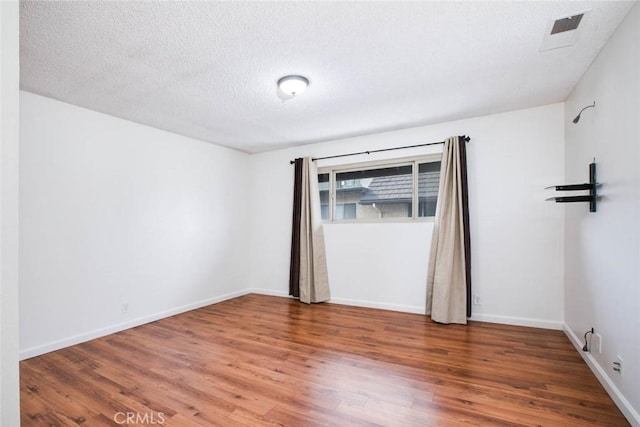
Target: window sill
x=382 y=221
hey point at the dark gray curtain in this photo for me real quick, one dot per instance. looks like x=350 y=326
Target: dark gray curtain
x=464 y=190
x=294 y=267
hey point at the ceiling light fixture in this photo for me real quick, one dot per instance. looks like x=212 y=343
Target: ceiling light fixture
x=293 y=85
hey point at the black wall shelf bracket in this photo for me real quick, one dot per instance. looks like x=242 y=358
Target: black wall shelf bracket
x=591 y=186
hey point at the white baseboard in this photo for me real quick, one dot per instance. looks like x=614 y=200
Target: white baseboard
x=348 y=301
x=619 y=399
x=269 y=292
x=506 y=320
x=77 y=339
x=88 y=336
x=378 y=305
x=518 y=321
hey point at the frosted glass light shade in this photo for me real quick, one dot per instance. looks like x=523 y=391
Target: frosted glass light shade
x=293 y=85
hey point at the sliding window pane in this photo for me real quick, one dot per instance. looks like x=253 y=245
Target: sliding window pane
x=323 y=187
x=428 y=185
x=374 y=193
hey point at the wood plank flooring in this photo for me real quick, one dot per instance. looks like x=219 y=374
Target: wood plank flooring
x=259 y=360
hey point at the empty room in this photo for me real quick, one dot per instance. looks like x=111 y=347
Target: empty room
x=315 y=213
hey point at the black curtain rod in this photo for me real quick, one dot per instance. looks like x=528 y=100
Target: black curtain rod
x=463 y=137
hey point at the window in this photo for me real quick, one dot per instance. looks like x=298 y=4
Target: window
x=345 y=211
x=428 y=185
x=380 y=191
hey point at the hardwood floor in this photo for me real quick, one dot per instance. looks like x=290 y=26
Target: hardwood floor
x=259 y=360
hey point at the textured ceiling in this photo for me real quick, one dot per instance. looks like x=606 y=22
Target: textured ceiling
x=208 y=70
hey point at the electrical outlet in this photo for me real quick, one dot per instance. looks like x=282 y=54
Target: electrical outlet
x=476 y=300
x=598 y=342
x=125 y=307
x=617 y=364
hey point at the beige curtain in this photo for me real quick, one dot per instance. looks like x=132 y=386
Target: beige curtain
x=447 y=277
x=314 y=280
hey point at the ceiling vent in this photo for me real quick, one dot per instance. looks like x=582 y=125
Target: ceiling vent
x=563 y=31
x=569 y=23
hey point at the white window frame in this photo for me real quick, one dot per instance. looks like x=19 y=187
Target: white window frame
x=413 y=161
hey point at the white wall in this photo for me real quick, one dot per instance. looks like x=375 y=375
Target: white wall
x=602 y=249
x=113 y=212
x=516 y=237
x=9 y=82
